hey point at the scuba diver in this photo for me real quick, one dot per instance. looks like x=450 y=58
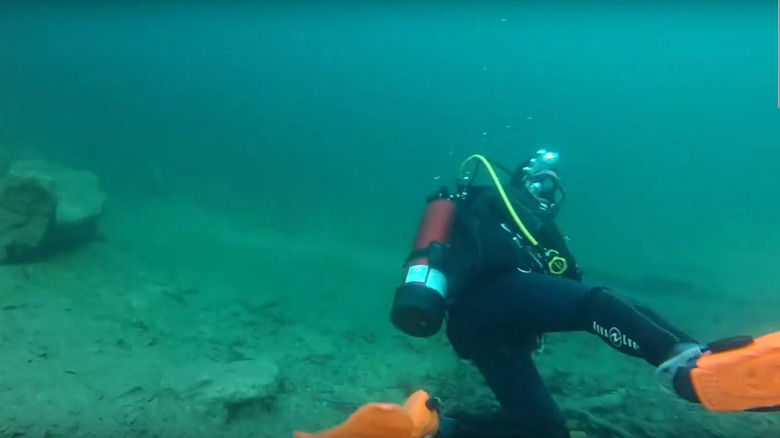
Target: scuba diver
x=491 y=262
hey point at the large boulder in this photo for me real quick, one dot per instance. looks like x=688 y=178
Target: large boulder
x=45 y=208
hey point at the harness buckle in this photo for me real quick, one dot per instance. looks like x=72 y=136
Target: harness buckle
x=524 y=250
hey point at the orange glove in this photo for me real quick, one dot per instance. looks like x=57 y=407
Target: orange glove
x=415 y=419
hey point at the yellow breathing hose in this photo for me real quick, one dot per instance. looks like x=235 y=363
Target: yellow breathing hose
x=501 y=192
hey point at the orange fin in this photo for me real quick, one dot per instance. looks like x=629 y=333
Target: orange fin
x=425 y=421
x=372 y=420
x=741 y=379
x=385 y=420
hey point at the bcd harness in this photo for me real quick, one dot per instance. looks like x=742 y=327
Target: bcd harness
x=547 y=260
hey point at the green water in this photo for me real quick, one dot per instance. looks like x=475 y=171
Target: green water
x=336 y=119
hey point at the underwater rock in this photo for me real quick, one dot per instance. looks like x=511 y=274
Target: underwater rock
x=224 y=392
x=27 y=217
x=45 y=208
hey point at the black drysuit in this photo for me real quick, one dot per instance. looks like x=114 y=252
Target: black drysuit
x=503 y=302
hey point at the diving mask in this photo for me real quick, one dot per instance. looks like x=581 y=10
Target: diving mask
x=543 y=161
x=541 y=179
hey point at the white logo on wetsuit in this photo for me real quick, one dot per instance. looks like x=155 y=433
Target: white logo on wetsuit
x=615 y=337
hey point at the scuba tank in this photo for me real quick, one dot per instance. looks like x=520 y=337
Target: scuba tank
x=420 y=302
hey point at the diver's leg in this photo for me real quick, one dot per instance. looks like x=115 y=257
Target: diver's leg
x=527 y=408
x=519 y=303
x=653 y=316
x=733 y=374
x=632 y=329
x=727 y=375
